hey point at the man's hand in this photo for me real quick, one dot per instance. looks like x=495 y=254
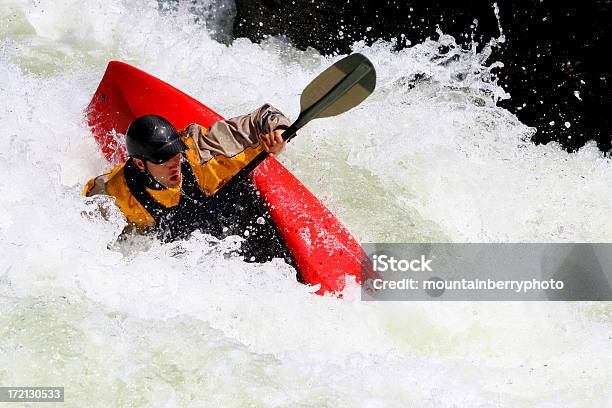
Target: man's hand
x=273 y=142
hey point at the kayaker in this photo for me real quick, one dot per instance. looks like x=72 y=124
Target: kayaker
x=170 y=180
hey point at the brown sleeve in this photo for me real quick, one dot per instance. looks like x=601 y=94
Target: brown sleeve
x=231 y=136
x=96 y=186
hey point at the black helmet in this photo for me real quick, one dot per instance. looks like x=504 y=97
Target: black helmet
x=153 y=138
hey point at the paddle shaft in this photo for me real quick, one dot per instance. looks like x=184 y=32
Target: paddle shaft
x=306 y=116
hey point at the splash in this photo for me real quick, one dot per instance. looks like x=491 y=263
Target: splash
x=429 y=157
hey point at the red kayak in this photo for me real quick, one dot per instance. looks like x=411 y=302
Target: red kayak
x=325 y=253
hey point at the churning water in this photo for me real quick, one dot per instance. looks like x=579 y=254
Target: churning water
x=428 y=157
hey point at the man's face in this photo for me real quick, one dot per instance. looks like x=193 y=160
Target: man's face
x=168 y=174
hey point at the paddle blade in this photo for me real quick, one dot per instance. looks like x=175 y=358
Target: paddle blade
x=339 y=88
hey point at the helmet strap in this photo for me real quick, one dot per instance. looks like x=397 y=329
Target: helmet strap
x=149 y=180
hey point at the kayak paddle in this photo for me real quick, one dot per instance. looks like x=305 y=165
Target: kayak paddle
x=339 y=88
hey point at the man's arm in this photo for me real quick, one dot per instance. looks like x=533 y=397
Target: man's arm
x=231 y=136
x=96 y=186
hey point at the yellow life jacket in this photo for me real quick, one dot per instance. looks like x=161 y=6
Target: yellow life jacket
x=210 y=176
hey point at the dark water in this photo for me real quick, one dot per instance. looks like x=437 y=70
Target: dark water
x=555 y=54
x=182 y=324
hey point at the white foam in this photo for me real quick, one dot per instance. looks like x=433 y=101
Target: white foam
x=181 y=321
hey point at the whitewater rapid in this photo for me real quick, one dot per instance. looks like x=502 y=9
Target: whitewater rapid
x=429 y=157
